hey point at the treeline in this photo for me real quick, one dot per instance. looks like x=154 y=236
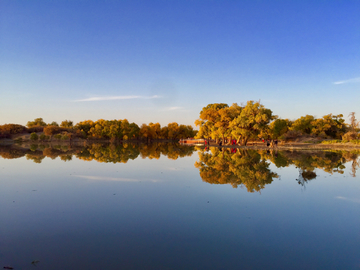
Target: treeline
x=254 y=121
x=100 y=129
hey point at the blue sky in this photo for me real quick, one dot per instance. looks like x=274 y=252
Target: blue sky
x=163 y=61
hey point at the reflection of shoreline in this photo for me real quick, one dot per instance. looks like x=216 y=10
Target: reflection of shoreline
x=250 y=168
x=295 y=146
x=105 y=152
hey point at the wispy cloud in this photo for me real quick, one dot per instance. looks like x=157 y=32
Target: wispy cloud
x=118 y=179
x=173 y=108
x=167 y=109
x=353 y=80
x=348 y=199
x=116 y=98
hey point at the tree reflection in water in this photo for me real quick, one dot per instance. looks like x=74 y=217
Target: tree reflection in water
x=250 y=168
x=242 y=168
x=115 y=153
x=238 y=167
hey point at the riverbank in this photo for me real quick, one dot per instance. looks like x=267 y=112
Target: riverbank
x=292 y=146
x=251 y=145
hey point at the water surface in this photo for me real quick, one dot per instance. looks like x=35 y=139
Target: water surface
x=174 y=207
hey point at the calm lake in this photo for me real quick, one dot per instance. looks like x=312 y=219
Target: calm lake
x=166 y=206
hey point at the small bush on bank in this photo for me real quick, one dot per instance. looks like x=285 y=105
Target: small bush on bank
x=34 y=136
x=57 y=136
x=349 y=136
x=291 y=135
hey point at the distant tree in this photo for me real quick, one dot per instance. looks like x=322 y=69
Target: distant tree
x=354 y=124
x=36 y=122
x=329 y=126
x=352 y=134
x=66 y=124
x=146 y=132
x=303 y=124
x=53 y=123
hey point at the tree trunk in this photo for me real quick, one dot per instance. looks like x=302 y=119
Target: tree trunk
x=239 y=140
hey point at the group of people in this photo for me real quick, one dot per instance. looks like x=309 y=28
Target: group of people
x=271 y=143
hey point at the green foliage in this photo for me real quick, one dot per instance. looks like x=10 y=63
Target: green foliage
x=66 y=124
x=34 y=136
x=36 y=122
x=53 y=123
x=65 y=137
x=279 y=127
x=332 y=126
x=57 y=136
x=329 y=126
x=252 y=121
x=105 y=129
x=43 y=137
x=303 y=124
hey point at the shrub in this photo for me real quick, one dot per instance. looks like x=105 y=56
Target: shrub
x=36 y=122
x=291 y=135
x=350 y=136
x=52 y=130
x=65 y=137
x=57 y=136
x=12 y=129
x=67 y=124
x=43 y=137
x=36 y=129
x=34 y=136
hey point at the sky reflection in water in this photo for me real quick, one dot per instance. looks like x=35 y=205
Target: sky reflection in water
x=153 y=209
